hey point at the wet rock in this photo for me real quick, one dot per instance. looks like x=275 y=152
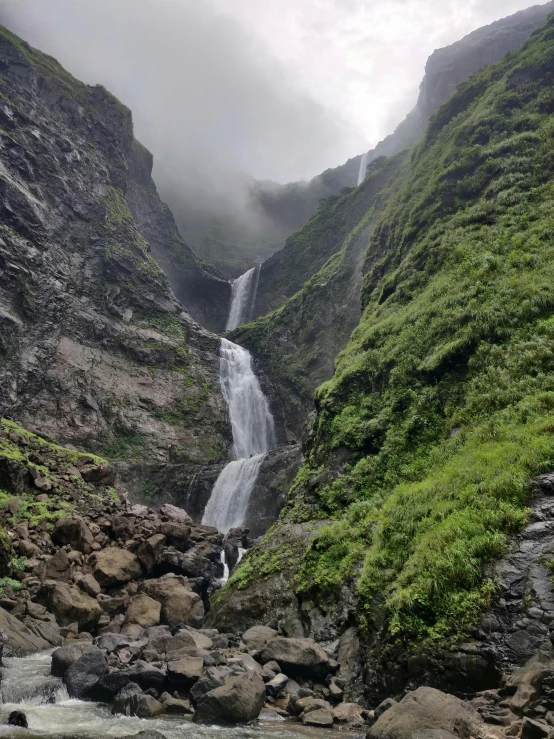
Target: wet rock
x=64 y=657
x=75 y=532
x=82 y=675
x=321 y=717
x=143 y=610
x=297 y=657
x=276 y=685
x=113 y=566
x=349 y=713
x=126 y=702
x=178 y=706
x=427 y=709
x=146 y=675
x=239 y=700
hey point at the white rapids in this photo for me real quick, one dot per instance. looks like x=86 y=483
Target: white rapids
x=253 y=430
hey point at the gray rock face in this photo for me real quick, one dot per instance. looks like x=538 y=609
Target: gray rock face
x=83 y=675
x=80 y=291
x=426 y=709
x=19 y=639
x=70 y=604
x=238 y=701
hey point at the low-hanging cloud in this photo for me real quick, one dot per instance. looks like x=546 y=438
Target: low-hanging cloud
x=212 y=104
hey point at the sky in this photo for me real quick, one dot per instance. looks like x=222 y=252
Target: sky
x=273 y=89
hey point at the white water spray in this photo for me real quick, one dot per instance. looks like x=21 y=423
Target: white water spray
x=242 y=299
x=363 y=168
x=253 y=436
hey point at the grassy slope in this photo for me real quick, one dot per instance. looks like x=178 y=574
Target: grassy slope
x=440 y=409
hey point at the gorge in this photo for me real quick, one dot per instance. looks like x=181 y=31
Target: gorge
x=359 y=428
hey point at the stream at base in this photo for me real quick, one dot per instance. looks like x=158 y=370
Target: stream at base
x=27 y=686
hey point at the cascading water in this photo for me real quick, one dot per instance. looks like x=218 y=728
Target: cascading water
x=253 y=436
x=27 y=686
x=363 y=168
x=242 y=300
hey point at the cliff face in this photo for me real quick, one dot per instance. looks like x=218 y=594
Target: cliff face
x=95 y=350
x=310 y=290
x=439 y=413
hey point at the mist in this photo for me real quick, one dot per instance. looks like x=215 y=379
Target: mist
x=226 y=92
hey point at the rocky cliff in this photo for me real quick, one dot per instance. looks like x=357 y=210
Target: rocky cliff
x=95 y=349
x=311 y=287
x=419 y=461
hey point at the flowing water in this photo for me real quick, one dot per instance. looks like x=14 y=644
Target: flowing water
x=27 y=686
x=242 y=299
x=363 y=168
x=253 y=436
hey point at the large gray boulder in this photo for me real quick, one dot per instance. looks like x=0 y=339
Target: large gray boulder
x=427 y=709
x=175 y=514
x=113 y=566
x=238 y=701
x=83 y=675
x=297 y=657
x=144 y=611
x=64 y=657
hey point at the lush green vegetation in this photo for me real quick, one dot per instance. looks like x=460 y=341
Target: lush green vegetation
x=441 y=407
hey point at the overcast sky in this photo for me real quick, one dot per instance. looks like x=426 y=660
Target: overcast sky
x=278 y=89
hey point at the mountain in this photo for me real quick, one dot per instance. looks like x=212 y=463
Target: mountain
x=95 y=349
x=416 y=532
x=309 y=292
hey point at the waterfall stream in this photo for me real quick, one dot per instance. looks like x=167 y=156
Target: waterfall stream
x=253 y=436
x=363 y=168
x=242 y=299
x=28 y=686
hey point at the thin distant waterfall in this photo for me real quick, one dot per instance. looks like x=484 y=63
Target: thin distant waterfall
x=242 y=299
x=253 y=430
x=363 y=168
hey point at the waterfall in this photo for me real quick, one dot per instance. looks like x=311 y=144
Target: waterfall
x=363 y=168
x=242 y=299
x=253 y=431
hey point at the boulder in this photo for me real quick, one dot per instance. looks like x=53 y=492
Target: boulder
x=297 y=657
x=146 y=675
x=143 y=610
x=177 y=534
x=56 y=567
x=238 y=701
x=320 y=717
x=75 y=532
x=64 y=657
x=427 y=709
x=179 y=604
x=175 y=514
x=183 y=673
x=89 y=585
x=212 y=678
x=257 y=637
x=17 y=638
x=113 y=566
x=82 y=676
x=176 y=705
x=150 y=552
x=384 y=706
x=47 y=630
x=191 y=564
x=69 y=604
x=179 y=645
x=127 y=700
x=276 y=685
x=349 y=713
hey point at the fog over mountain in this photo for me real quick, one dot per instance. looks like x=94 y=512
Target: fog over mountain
x=226 y=92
